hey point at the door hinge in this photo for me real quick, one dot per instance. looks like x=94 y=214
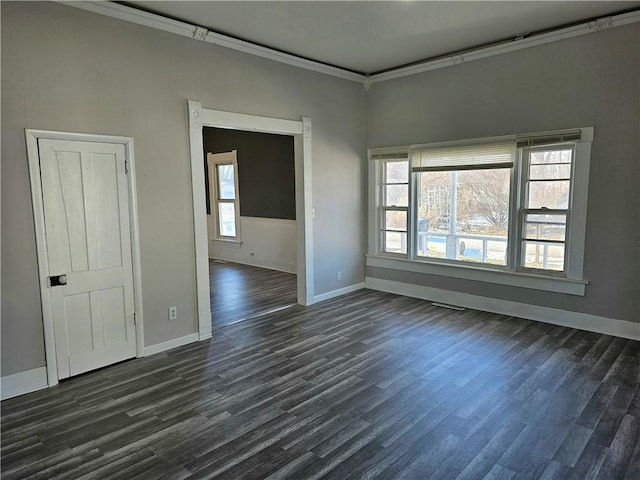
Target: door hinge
x=134 y=319
x=126 y=167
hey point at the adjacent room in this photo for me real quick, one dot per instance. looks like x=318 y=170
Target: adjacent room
x=304 y=240
x=251 y=223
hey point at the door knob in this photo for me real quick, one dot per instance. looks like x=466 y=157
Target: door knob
x=58 y=280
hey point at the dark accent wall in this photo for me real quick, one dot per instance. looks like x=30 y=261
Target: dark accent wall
x=266 y=172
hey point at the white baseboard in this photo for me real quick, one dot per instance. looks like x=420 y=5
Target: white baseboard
x=169 y=344
x=555 y=316
x=257 y=262
x=23 y=382
x=336 y=293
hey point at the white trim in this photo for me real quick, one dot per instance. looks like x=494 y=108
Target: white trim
x=302 y=132
x=173 y=343
x=468 y=271
x=282 y=221
x=250 y=123
x=32 y=137
x=257 y=262
x=199 y=33
x=201 y=234
x=339 y=292
x=572 y=283
x=23 y=382
x=512 y=46
x=555 y=316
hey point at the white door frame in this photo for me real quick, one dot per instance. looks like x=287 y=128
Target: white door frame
x=32 y=137
x=301 y=131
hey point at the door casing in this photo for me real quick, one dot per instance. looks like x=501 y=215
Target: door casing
x=32 y=137
x=301 y=130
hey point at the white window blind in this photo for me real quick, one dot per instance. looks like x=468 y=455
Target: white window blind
x=401 y=153
x=439 y=158
x=544 y=139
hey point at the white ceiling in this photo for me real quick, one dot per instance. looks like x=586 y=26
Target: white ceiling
x=369 y=37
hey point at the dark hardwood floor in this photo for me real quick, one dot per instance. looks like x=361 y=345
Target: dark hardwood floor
x=368 y=385
x=243 y=291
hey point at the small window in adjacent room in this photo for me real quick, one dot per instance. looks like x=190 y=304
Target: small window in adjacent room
x=503 y=205
x=223 y=184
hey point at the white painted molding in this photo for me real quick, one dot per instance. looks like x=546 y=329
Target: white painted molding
x=173 y=343
x=555 y=316
x=457 y=58
x=23 y=382
x=339 y=292
x=129 y=14
x=196 y=148
x=256 y=262
x=479 y=274
x=251 y=123
x=200 y=33
x=206 y=332
x=301 y=130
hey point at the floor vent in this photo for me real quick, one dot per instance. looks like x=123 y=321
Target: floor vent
x=450 y=307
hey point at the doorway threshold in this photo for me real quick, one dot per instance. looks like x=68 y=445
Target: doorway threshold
x=251 y=317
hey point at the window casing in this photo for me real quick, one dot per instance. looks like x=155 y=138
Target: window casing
x=223 y=185
x=476 y=212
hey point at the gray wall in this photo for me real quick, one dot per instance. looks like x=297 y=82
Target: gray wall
x=69 y=70
x=586 y=81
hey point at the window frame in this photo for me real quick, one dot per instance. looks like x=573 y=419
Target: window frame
x=569 y=281
x=524 y=210
x=383 y=208
x=213 y=161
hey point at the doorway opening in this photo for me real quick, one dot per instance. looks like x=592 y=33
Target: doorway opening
x=251 y=223
x=301 y=132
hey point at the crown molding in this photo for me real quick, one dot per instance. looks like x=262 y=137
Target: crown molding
x=199 y=33
x=129 y=14
x=518 y=43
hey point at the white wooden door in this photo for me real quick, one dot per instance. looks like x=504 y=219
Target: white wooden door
x=86 y=210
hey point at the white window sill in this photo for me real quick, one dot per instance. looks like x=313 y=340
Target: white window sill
x=477 y=273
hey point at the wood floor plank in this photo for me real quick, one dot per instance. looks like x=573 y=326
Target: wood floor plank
x=364 y=386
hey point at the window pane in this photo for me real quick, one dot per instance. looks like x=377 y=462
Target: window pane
x=483 y=201
x=547 y=256
x=396 y=195
x=226 y=182
x=482 y=249
x=545 y=227
x=434 y=201
x=395 y=220
x=227 y=219
x=396 y=172
x=550 y=172
x=394 y=242
x=551 y=156
x=477 y=230
x=549 y=194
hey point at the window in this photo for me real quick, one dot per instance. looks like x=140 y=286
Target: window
x=395 y=205
x=223 y=184
x=546 y=206
x=507 y=205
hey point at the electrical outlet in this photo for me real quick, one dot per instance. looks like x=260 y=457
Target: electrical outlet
x=339 y=276
x=173 y=313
